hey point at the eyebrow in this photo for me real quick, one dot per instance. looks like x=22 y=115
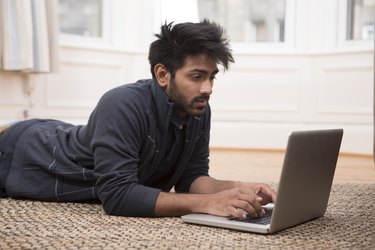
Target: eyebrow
x=204 y=71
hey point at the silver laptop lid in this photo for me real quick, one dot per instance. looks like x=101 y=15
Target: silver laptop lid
x=304 y=185
x=306 y=178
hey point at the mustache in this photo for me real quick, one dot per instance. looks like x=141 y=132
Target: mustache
x=201 y=98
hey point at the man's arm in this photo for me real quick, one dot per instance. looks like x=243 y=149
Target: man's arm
x=209 y=185
x=216 y=197
x=206 y=184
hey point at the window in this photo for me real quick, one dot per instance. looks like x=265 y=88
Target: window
x=106 y=24
x=360 y=19
x=247 y=20
x=82 y=18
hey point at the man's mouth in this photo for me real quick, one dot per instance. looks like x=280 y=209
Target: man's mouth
x=201 y=101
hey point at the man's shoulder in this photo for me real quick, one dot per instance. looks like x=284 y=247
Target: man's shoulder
x=138 y=91
x=138 y=87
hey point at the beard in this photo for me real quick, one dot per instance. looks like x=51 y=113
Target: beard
x=183 y=105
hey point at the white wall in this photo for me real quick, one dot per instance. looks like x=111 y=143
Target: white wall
x=316 y=81
x=262 y=98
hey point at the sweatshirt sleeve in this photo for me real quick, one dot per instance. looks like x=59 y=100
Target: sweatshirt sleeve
x=116 y=128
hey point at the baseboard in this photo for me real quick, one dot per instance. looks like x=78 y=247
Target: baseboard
x=282 y=151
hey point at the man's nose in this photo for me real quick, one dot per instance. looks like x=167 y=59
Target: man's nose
x=206 y=88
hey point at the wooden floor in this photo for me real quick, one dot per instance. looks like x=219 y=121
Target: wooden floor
x=263 y=166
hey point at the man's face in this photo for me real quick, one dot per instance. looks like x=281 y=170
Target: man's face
x=191 y=88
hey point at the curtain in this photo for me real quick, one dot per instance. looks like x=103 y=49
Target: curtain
x=29 y=36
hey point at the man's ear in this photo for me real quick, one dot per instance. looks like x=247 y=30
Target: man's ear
x=162 y=75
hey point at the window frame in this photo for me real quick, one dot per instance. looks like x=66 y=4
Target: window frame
x=272 y=47
x=104 y=41
x=343 y=43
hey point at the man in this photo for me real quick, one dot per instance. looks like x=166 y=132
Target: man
x=141 y=140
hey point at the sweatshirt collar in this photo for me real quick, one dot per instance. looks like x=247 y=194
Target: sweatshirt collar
x=164 y=108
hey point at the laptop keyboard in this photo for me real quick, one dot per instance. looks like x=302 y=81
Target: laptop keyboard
x=264 y=220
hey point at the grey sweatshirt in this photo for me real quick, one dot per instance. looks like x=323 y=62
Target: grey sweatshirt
x=132 y=147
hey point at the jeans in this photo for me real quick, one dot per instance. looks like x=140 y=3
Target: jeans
x=8 y=141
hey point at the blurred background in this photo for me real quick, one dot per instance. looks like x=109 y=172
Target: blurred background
x=300 y=64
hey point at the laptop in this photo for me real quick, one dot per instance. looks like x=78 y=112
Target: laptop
x=303 y=190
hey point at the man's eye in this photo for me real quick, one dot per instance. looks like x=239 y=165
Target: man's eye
x=196 y=77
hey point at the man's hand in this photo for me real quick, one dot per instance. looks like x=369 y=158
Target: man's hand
x=234 y=202
x=263 y=191
x=223 y=198
x=247 y=198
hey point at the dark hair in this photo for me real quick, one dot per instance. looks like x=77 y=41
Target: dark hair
x=177 y=42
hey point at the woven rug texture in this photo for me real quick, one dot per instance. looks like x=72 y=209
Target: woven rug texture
x=349 y=223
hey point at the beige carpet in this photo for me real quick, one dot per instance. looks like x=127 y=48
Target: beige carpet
x=349 y=223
